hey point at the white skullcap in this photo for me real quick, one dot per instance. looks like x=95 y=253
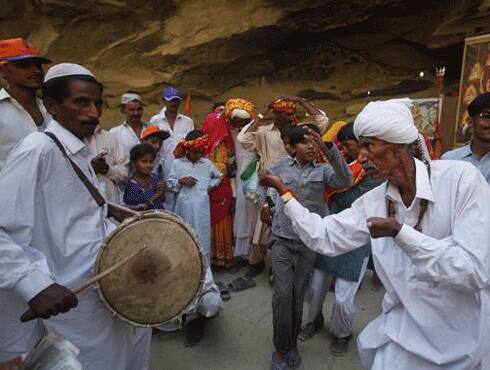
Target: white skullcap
x=129 y=97
x=67 y=69
x=389 y=120
x=240 y=113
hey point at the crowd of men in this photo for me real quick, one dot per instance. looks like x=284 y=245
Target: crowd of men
x=302 y=199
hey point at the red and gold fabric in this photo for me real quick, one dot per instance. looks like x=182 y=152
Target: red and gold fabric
x=199 y=143
x=238 y=103
x=284 y=106
x=219 y=151
x=358 y=174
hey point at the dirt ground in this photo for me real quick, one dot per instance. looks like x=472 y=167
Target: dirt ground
x=241 y=337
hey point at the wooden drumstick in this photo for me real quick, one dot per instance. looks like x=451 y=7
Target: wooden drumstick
x=31 y=315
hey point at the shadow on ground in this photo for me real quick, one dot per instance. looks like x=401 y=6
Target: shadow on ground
x=241 y=338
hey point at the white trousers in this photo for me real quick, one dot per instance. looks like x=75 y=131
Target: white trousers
x=344 y=308
x=242 y=247
x=377 y=356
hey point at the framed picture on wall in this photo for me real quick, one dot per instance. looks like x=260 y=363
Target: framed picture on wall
x=426 y=115
x=475 y=80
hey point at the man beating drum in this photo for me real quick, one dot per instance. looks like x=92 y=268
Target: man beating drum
x=51 y=232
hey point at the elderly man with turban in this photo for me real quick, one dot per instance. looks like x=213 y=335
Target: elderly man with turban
x=266 y=141
x=429 y=230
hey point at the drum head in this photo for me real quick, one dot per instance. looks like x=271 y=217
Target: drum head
x=160 y=283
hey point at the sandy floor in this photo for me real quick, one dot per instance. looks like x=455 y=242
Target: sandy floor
x=241 y=338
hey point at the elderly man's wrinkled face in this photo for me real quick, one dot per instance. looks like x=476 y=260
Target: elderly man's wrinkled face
x=377 y=157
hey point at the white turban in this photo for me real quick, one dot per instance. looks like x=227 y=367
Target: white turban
x=129 y=97
x=240 y=113
x=389 y=120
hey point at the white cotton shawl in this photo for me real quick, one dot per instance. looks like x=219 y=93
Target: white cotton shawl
x=389 y=120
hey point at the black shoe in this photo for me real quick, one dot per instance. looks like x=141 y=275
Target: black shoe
x=339 y=346
x=294 y=358
x=194 y=331
x=310 y=329
x=255 y=270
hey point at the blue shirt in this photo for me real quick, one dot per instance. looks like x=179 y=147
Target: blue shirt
x=308 y=183
x=465 y=154
x=135 y=193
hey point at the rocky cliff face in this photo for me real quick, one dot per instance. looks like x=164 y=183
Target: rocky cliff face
x=331 y=51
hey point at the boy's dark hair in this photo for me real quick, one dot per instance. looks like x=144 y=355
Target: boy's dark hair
x=193 y=135
x=285 y=131
x=480 y=103
x=140 y=150
x=57 y=88
x=297 y=133
x=347 y=133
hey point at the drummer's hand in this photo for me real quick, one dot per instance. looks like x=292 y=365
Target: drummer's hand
x=188 y=181
x=53 y=300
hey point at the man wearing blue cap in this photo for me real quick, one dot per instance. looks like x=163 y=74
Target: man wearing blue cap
x=177 y=125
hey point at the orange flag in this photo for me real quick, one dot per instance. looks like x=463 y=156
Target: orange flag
x=187 y=104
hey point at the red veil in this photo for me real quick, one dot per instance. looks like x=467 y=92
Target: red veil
x=215 y=126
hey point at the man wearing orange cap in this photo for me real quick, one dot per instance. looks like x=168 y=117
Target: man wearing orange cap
x=20 y=111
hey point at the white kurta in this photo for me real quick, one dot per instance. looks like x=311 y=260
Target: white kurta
x=116 y=176
x=51 y=231
x=16 y=123
x=125 y=137
x=246 y=210
x=436 y=308
x=182 y=126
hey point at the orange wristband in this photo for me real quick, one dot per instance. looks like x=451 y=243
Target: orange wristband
x=287 y=196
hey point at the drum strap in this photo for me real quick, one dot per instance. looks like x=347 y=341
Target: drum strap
x=99 y=199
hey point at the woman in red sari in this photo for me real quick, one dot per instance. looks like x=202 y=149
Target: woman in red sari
x=220 y=152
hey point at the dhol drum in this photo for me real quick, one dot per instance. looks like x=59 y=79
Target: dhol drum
x=159 y=284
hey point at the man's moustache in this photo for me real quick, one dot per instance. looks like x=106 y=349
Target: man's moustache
x=91 y=122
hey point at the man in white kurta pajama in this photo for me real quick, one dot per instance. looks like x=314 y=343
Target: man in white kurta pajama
x=436 y=310
x=51 y=231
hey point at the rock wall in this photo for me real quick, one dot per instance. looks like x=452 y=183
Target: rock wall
x=333 y=52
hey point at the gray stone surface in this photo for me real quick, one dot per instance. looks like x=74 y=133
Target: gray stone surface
x=241 y=338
